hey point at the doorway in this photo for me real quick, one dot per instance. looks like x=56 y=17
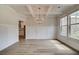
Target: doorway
x=22 y=31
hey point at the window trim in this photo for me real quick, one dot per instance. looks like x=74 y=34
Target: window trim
x=63 y=26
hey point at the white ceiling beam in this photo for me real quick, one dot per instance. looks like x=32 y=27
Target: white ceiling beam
x=31 y=10
x=49 y=9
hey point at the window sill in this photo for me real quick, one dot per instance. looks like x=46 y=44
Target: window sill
x=74 y=38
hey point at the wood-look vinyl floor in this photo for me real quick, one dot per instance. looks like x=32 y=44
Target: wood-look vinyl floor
x=38 y=47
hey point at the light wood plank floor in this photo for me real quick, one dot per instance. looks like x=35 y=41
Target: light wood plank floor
x=38 y=47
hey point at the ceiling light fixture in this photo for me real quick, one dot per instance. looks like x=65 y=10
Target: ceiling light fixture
x=58 y=6
x=39 y=19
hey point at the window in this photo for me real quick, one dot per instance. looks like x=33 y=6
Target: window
x=63 y=25
x=69 y=25
x=74 y=25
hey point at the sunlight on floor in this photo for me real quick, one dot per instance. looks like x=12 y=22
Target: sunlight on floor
x=38 y=47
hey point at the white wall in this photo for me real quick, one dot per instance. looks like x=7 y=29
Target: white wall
x=46 y=30
x=8 y=27
x=69 y=41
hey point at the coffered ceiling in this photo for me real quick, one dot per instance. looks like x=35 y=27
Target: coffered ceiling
x=46 y=10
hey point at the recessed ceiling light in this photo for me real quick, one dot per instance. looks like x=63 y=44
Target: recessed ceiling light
x=58 y=6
